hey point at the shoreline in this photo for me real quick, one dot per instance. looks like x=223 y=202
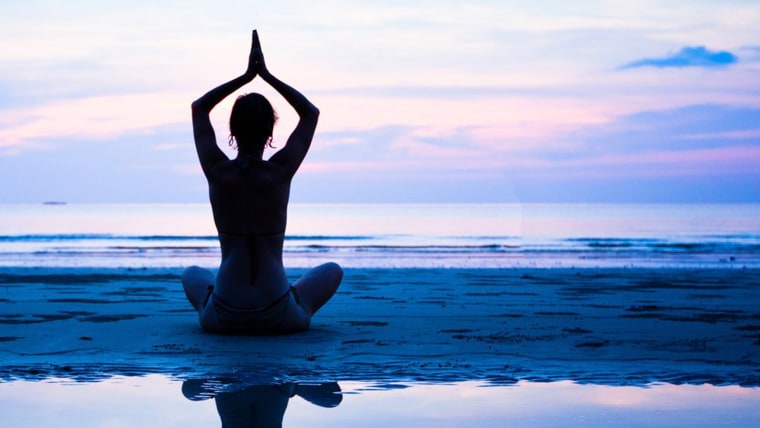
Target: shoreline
x=617 y=326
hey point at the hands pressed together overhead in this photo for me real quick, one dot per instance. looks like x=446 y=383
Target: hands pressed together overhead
x=256 y=64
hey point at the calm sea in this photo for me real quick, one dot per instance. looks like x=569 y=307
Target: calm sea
x=393 y=235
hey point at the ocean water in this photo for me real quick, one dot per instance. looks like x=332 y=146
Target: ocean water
x=393 y=235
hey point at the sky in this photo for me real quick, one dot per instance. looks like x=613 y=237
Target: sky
x=421 y=101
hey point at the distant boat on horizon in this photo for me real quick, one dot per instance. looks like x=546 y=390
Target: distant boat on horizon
x=54 y=203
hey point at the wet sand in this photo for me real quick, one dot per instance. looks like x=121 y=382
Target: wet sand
x=622 y=326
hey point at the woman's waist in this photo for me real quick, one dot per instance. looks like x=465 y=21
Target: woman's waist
x=251 y=268
x=250 y=284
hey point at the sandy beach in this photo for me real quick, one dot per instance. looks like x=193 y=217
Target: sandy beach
x=624 y=326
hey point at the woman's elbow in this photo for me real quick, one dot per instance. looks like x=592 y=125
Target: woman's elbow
x=199 y=106
x=308 y=112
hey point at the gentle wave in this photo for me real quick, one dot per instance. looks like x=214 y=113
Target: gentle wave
x=732 y=243
x=385 y=250
x=728 y=244
x=101 y=237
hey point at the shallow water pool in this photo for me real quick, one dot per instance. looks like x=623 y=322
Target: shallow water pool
x=161 y=401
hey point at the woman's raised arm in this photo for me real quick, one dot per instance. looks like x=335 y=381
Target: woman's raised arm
x=209 y=153
x=299 y=141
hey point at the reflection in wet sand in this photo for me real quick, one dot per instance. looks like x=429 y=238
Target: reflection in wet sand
x=157 y=400
x=244 y=406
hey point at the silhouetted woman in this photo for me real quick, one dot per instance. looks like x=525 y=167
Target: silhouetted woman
x=249 y=199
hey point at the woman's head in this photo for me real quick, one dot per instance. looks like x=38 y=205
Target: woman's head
x=251 y=122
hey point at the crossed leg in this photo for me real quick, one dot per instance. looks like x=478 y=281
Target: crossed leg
x=198 y=284
x=317 y=286
x=313 y=289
